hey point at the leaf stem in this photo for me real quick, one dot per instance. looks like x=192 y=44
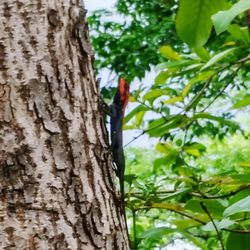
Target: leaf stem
x=134 y=229
x=216 y=229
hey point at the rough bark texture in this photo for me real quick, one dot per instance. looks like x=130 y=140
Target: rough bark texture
x=56 y=180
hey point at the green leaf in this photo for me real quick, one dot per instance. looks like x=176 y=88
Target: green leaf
x=195 y=240
x=225 y=223
x=193 y=22
x=169 y=53
x=193 y=66
x=215 y=207
x=158 y=162
x=223 y=19
x=178 y=142
x=167 y=160
x=217 y=58
x=174 y=99
x=130 y=178
x=155 y=93
x=158 y=232
x=198 y=146
x=185 y=172
x=244 y=164
x=242 y=103
x=239 y=33
x=239 y=196
x=185 y=223
x=156 y=123
x=139 y=118
x=162 y=77
x=175 y=64
x=215 y=118
x=205 y=75
x=202 y=53
x=241 y=178
x=238 y=241
x=164 y=148
x=176 y=122
x=233 y=179
x=134 y=112
x=187 y=88
x=178 y=193
x=238 y=207
x=195 y=149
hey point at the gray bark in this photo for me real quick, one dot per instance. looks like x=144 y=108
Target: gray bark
x=57 y=186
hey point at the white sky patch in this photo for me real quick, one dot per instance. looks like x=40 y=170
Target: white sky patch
x=180 y=245
x=92 y=5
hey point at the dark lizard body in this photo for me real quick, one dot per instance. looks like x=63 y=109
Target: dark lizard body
x=117 y=110
x=116 y=123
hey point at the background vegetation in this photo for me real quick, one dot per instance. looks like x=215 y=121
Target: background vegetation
x=195 y=184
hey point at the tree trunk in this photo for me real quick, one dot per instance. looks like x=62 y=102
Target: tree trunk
x=57 y=186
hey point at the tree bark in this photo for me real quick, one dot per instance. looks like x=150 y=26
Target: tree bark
x=57 y=186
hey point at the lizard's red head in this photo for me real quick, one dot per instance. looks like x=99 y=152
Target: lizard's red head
x=124 y=92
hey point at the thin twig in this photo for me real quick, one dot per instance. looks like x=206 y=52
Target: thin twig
x=152 y=109
x=178 y=212
x=197 y=220
x=134 y=228
x=204 y=196
x=223 y=89
x=196 y=97
x=135 y=138
x=216 y=229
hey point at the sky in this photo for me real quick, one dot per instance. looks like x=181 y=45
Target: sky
x=91 y=5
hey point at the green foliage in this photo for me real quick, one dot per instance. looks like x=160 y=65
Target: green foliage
x=238 y=207
x=217 y=58
x=169 y=189
x=238 y=34
x=238 y=241
x=222 y=19
x=130 y=46
x=193 y=21
x=243 y=102
x=195 y=185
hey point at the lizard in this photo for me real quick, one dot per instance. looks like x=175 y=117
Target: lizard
x=117 y=111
